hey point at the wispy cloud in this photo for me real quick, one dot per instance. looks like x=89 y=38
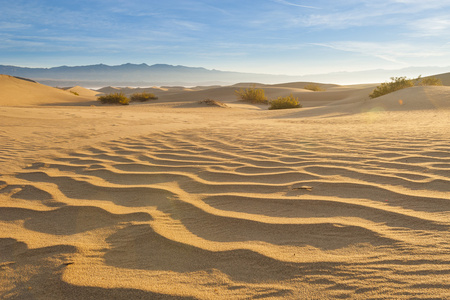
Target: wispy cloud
x=192 y=26
x=433 y=26
x=399 y=53
x=13 y=26
x=420 y=4
x=295 y=4
x=346 y=14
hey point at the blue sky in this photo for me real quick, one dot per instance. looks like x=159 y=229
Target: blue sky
x=291 y=37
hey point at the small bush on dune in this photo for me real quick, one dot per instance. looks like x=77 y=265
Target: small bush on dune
x=397 y=83
x=212 y=102
x=116 y=98
x=429 y=81
x=141 y=97
x=285 y=102
x=314 y=87
x=252 y=95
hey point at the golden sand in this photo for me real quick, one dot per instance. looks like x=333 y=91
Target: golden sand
x=346 y=198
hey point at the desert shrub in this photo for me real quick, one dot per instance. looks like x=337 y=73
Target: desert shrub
x=397 y=83
x=75 y=93
x=253 y=95
x=115 y=98
x=313 y=87
x=212 y=102
x=285 y=102
x=428 y=81
x=142 y=97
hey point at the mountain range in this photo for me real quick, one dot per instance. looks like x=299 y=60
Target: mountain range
x=135 y=75
x=168 y=75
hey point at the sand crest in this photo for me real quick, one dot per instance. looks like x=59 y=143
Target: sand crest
x=348 y=198
x=22 y=92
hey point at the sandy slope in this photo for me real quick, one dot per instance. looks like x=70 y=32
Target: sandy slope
x=173 y=200
x=84 y=92
x=20 y=92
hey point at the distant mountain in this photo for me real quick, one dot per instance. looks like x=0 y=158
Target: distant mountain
x=136 y=75
x=168 y=75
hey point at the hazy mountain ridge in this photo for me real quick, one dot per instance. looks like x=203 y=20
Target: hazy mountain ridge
x=163 y=74
x=135 y=75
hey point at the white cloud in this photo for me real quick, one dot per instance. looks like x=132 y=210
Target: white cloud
x=400 y=53
x=13 y=26
x=429 y=4
x=192 y=26
x=295 y=4
x=432 y=26
x=350 y=13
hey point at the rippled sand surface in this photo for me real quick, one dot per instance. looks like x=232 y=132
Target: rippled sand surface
x=174 y=201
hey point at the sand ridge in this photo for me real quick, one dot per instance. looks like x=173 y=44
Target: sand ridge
x=163 y=200
x=22 y=92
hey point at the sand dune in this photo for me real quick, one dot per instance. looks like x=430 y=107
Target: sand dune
x=332 y=94
x=22 y=92
x=83 y=92
x=445 y=78
x=158 y=91
x=348 y=198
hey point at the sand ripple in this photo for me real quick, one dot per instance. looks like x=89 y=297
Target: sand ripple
x=226 y=212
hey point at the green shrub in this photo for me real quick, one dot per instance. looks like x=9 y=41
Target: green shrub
x=285 y=102
x=116 y=98
x=252 y=95
x=397 y=83
x=314 y=87
x=142 y=97
x=429 y=81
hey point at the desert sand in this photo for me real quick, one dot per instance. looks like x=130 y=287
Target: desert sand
x=345 y=198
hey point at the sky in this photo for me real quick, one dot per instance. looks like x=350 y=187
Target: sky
x=292 y=37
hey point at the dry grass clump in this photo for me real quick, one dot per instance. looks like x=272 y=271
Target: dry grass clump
x=252 y=95
x=314 y=87
x=257 y=96
x=398 y=83
x=120 y=98
x=142 y=97
x=115 y=98
x=429 y=81
x=212 y=102
x=285 y=102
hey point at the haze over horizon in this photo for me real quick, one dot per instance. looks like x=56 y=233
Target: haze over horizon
x=269 y=37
